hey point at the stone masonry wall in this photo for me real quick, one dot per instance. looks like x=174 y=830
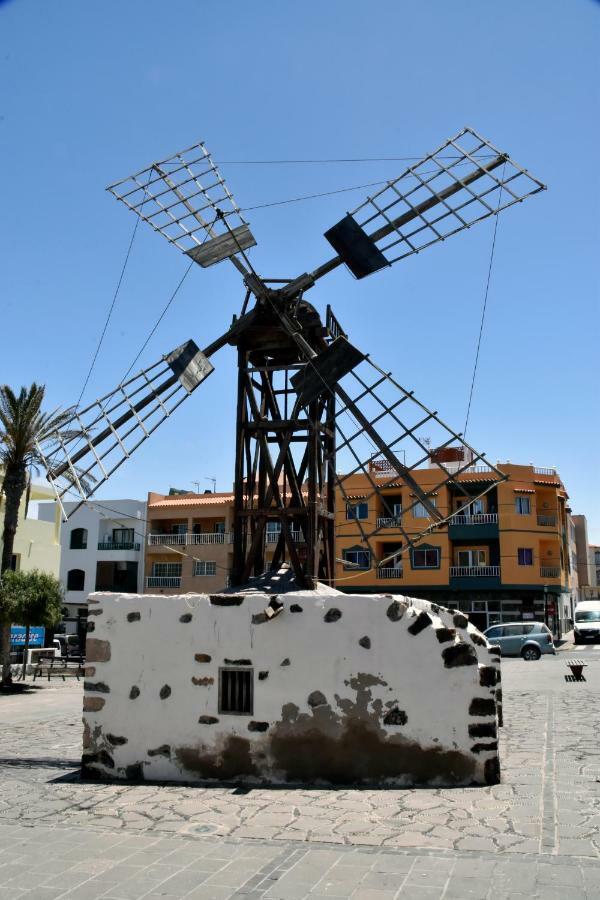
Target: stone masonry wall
x=346 y=689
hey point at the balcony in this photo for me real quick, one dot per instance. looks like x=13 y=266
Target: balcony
x=160 y=581
x=547 y=521
x=273 y=537
x=474 y=571
x=210 y=537
x=550 y=571
x=390 y=572
x=478 y=519
x=117 y=545
x=167 y=539
x=481 y=526
x=389 y=521
x=214 y=537
x=542 y=471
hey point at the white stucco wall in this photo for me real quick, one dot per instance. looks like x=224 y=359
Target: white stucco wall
x=324 y=687
x=99 y=518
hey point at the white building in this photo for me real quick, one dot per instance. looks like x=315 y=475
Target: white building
x=102 y=549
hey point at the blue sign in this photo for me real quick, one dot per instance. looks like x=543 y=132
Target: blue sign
x=36 y=636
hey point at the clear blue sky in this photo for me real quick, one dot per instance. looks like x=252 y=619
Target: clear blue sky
x=90 y=92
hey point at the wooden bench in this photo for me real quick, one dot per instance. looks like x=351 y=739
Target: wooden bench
x=66 y=667
x=576 y=666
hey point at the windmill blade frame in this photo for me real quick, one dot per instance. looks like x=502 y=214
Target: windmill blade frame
x=185 y=199
x=108 y=431
x=428 y=203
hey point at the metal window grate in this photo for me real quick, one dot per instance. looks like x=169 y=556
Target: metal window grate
x=236 y=691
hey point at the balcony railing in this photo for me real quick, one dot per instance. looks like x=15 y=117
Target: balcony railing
x=389 y=521
x=167 y=538
x=550 y=571
x=547 y=521
x=474 y=571
x=216 y=537
x=480 y=468
x=117 y=545
x=389 y=572
x=542 y=471
x=477 y=519
x=161 y=581
x=210 y=537
x=273 y=537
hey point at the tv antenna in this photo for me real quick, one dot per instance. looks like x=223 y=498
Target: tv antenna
x=309 y=402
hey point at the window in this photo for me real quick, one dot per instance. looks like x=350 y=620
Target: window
x=76 y=580
x=357 y=558
x=470 y=558
x=493 y=633
x=425 y=558
x=219 y=527
x=180 y=528
x=273 y=526
x=122 y=535
x=236 y=691
x=204 y=568
x=166 y=570
x=525 y=556
x=523 y=505
x=78 y=539
x=419 y=511
x=357 y=510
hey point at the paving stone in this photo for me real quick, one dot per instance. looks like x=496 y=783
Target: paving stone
x=467 y=889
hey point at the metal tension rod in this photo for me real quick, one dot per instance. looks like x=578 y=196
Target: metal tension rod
x=423 y=207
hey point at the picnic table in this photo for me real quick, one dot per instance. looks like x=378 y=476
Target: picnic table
x=65 y=666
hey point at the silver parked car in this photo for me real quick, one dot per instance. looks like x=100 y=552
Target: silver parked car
x=526 y=639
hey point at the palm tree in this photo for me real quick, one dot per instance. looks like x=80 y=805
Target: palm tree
x=23 y=429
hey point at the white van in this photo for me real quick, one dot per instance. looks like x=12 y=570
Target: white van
x=587 y=621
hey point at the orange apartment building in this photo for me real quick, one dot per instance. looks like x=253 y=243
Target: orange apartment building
x=503 y=558
x=189 y=545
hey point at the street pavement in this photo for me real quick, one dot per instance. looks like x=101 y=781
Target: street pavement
x=534 y=835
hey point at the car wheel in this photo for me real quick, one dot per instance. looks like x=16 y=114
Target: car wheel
x=577 y=639
x=531 y=652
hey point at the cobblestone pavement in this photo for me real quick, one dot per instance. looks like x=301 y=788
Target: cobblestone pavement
x=536 y=834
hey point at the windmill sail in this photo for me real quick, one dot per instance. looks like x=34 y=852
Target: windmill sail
x=186 y=200
x=464 y=181
x=405 y=457
x=102 y=436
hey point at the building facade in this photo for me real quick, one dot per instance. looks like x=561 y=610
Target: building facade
x=102 y=549
x=588 y=562
x=594 y=568
x=189 y=543
x=503 y=558
x=37 y=541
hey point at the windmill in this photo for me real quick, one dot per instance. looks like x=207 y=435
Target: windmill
x=308 y=400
